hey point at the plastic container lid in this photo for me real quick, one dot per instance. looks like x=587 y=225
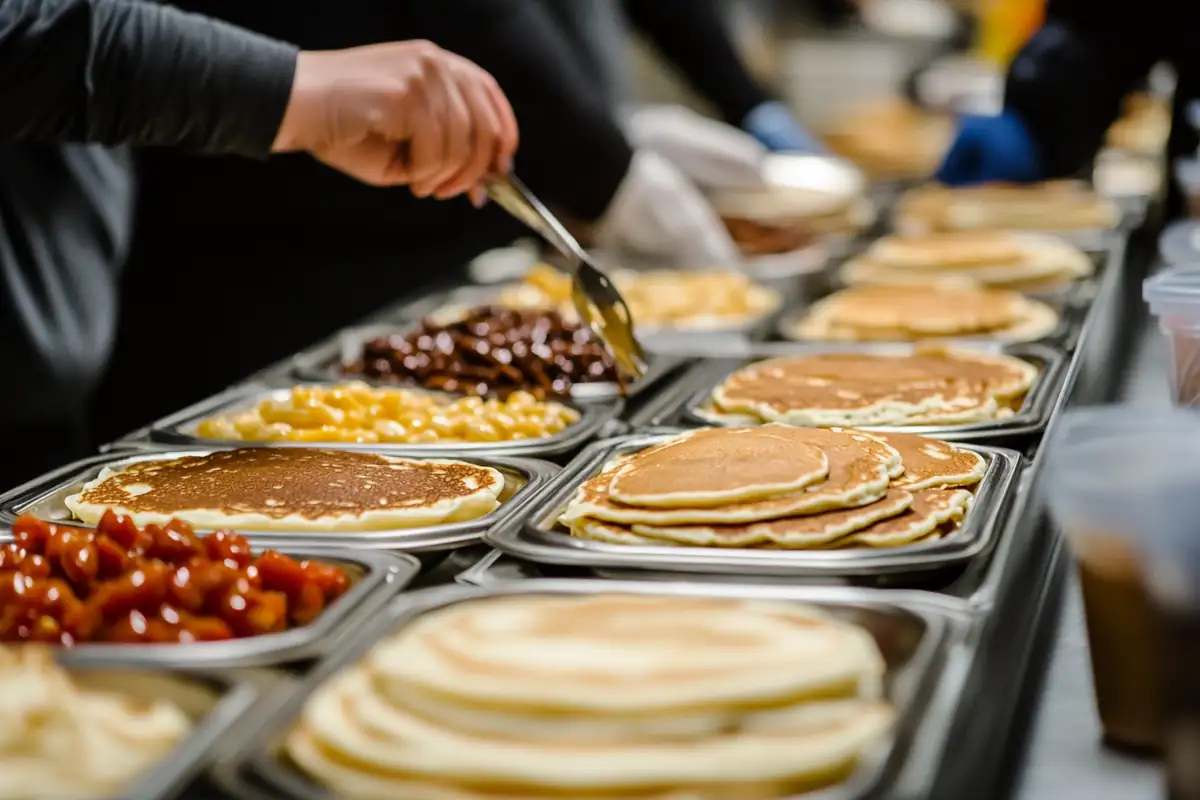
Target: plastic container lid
x=1179 y=244
x=1174 y=295
x=1131 y=473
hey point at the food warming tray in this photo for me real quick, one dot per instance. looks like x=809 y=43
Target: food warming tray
x=682 y=404
x=324 y=363
x=524 y=478
x=179 y=429
x=536 y=537
x=378 y=577
x=919 y=634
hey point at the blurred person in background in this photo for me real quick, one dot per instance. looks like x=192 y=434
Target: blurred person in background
x=110 y=71
x=1065 y=87
x=696 y=38
x=237 y=264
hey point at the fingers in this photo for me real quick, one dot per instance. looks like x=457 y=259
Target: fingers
x=509 y=137
x=485 y=130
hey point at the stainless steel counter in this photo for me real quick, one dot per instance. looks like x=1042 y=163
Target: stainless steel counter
x=1065 y=759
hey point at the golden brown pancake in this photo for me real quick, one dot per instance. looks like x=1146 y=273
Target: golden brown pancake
x=853 y=389
x=932 y=463
x=293 y=489
x=1050 y=206
x=930 y=510
x=710 y=467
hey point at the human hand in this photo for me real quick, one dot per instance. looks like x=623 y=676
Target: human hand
x=709 y=153
x=657 y=212
x=405 y=113
x=991 y=149
x=774 y=125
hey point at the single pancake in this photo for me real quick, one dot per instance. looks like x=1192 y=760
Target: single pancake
x=292 y=489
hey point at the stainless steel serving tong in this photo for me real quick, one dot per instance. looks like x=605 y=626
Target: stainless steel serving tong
x=599 y=304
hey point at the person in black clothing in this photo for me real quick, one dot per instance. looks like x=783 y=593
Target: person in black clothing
x=1065 y=88
x=272 y=256
x=110 y=71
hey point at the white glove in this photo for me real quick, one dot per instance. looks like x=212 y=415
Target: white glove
x=658 y=213
x=712 y=154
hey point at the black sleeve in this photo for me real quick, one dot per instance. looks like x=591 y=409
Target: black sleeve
x=113 y=71
x=1068 y=81
x=695 y=36
x=572 y=152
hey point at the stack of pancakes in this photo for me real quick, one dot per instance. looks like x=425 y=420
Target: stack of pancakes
x=891 y=140
x=600 y=696
x=292 y=489
x=929 y=386
x=913 y=313
x=777 y=487
x=1050 y=206
x=1024 y=262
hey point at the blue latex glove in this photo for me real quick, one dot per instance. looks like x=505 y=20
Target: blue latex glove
x=775 y=127
x=990 y=150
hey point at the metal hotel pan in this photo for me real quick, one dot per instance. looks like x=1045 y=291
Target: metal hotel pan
x=653 y=338
x=217 y=703
x=524 y=480
x=538 y=538
x=325 y=363
x=682 y=405
x=179 y=429
x=919 y=634
x=378 y=577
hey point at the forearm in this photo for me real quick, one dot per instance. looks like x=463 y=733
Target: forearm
x=1068 y=81
x=113 y=71
x=695 y=37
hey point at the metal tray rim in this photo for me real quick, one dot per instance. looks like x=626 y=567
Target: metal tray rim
x=385 y=575
x=593 y=417
x=946 y=621
x=692 y=389
x=412 y=540
x=524 y=538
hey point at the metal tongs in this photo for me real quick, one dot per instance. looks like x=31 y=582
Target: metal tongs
x=599 y=304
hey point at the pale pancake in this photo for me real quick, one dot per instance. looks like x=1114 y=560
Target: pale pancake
x=419 y=760
x=599 y=696
x=715 y=466
x=859 y=471
x=932 y=463
x=665 y=655
x=946 y=250
x=907 y=313
x=930 y=510
x=855 y=389
x=1050 y=206
x=791 y=533
x=292 y=489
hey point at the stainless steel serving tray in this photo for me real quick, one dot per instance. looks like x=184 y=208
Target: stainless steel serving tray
x=654 y=339
x=216 y=702
x=179 y=429
x=682 y=404
x=525 y=478
x=379 y=576
x=536 y=537
x=324 y=363
x=920 y=635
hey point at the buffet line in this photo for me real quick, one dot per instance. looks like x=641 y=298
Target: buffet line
x=771 y=567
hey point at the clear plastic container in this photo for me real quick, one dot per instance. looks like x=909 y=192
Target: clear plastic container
x=1174 y=297
x=1179 y=243
x=1124 y=485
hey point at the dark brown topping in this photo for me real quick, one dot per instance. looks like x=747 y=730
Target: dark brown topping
x=491 y=351
x=277 y=482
